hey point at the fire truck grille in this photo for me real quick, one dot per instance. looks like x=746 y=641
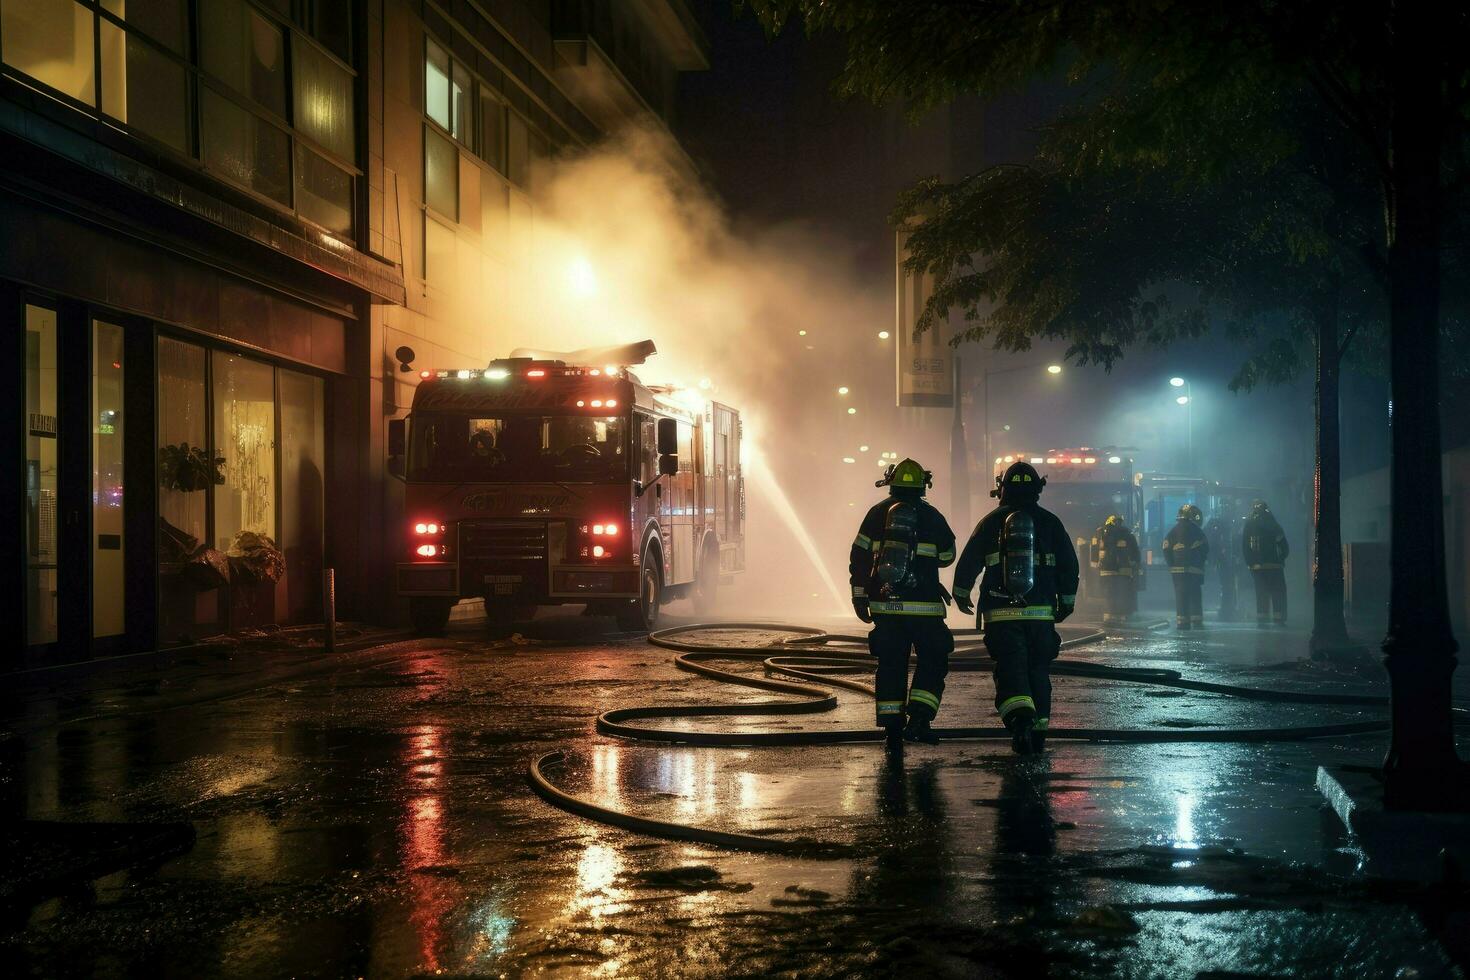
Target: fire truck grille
x=502 y=541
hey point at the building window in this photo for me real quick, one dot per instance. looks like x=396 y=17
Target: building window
x=245 y=437
x=51 y=41
x=249 y=98
x=441 y=174
x=323 y=100
x=436 y=84
x=164 y=21
x=518 y=151
x=246 y=149
x=439 y=253
x=245 y=51
x=144 y=88
x=323 y=192
x=492 y=129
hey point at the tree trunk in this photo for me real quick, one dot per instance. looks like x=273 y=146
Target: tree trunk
x=1329 y=629
x=1421 y=770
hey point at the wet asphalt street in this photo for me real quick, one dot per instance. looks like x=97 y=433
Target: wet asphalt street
x=368 y=814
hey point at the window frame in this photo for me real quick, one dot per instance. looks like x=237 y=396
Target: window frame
x=197 y=78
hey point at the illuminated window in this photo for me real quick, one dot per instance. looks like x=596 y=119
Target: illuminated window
x=323 y=99
x=436 y=83
x=51 y=41
x=441 y=174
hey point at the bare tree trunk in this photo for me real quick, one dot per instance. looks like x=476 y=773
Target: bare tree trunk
x=1329 y=629
x=1421 y=770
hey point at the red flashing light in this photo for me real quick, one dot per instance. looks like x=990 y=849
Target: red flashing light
x=598 y=551
x=612 y=403
x=428 y=550
x=426 y=375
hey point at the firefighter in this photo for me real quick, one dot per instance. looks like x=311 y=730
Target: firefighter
x=1218 y=533
x=1029 y=583
x=1116 y=557
x=1263 y=545
x=894 y=566
x=1185 y=551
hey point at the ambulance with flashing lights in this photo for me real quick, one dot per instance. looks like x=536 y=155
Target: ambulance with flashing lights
x=547 y=479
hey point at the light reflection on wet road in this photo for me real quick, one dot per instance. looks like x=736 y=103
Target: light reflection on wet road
x=373 y=819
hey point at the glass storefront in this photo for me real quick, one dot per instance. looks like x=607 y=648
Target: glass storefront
x=242 y=450
x=42 y=476
x=108 y=569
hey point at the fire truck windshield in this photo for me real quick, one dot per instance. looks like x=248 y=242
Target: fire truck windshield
x=514 y=448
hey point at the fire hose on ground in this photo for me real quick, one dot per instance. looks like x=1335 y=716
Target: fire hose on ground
x=825 y=658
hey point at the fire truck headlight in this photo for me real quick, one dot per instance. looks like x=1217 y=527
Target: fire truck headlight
x=598 y=551
x=597 y=529
x=428 y=550
x=497 y=374
x=421 y=528
x=1115 y=459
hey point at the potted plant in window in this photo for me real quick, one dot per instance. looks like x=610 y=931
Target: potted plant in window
x=187 y=468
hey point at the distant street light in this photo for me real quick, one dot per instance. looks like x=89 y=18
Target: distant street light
x=842 y=390
x=882 y=334
x=984 y=385
x=1053 y=369
x=1187 y=401
x=852 y=411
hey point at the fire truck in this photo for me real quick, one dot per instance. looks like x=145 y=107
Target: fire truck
x=546 y=480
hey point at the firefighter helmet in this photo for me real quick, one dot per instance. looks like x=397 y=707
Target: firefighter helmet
x=1021 y=477
x=1259 y=506
x=1189 y=512
x=1113 y=519
x=906 y=475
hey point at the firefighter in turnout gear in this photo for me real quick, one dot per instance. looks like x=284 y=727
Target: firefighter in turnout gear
x=894 y=566
x=1028 y=571
x=1218 y=532
x=1115 y=556
x=1263 y=544
x=1185 y=551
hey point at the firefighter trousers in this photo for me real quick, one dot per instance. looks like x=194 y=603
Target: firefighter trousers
x=1023 y=653
x=1120 y=598
x=890 y=641
x=1189 y=599
x=1270 y=595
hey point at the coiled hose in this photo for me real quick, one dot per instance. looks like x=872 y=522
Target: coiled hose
x=841 y=655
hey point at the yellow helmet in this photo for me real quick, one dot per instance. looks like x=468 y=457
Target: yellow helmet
x=906 y=475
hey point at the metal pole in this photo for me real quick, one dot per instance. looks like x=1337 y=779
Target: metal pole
x=329 y=608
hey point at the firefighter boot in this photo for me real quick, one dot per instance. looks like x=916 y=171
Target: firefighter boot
x=1020 y=724
x=1038 y=735
x=918 y=730
x=893 y=735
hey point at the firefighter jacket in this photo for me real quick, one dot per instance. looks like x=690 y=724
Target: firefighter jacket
x=926 y=545
x=1264 y=543
x=1114 y=551
x=1056 y=569
x=1186 y=548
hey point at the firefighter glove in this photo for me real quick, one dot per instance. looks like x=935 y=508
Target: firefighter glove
x=860 y=606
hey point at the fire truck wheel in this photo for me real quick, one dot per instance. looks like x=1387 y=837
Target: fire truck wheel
x=707 y=583
x=430 y=616
x=642 y=613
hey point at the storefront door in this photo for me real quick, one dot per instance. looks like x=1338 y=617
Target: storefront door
x=76 y=505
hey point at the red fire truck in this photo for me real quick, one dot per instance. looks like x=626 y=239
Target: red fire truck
x=541 y=481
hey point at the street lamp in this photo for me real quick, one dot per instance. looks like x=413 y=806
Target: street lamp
x=1187 y=401
x=1052 y=369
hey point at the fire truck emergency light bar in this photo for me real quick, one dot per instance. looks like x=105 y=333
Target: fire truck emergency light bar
x=502 y=373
